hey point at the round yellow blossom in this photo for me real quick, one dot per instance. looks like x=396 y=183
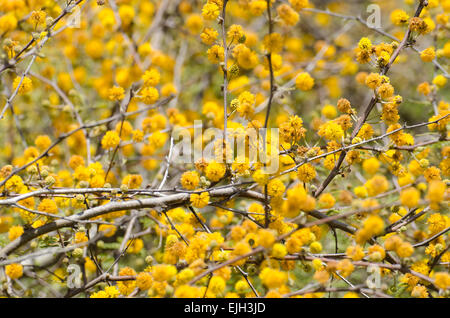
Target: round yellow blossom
x=215 y=171
x=327 y=200
x=199 y=200
x=110 y=140
x=275 y=188
x=209 y=36
x=428 y=54
x=15 y=232
x=304 y=81
x=272 y=278
x=116 y=93
x=442 y=280
x=410 y=197
x=26 y=85
x=190 y=180
x=440 y=80
x=151 y=77
x=210 y=11
x=14 y=271
x=355 y=252
x=144 y=281
x=329 y=111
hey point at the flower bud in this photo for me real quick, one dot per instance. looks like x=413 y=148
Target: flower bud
x=149 y=259
x=83 y=184
x=77 y=253
x=49 y=181
x=123 y=188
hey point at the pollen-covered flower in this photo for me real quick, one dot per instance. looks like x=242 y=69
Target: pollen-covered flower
x=210 y=11
x=149 y=95
x=428 y=54
x=215 y=171
x=288 y=15
x=209 y=36
x=14 y=271
x=116 y=93
x=399 y=17
x=199 y=200
x=110 y=140
x=26 y=85
x=304 y=81
x=190 y=180
x=216 y=54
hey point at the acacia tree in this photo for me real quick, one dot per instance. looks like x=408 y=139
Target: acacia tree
x=337 y=187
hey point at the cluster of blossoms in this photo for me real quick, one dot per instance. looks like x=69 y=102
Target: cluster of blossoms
x=89 y=169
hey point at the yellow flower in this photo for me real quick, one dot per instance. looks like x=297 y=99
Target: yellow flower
x=116 y=93
x=329 y=111
x=210 y=11
x=371 y=165
x=322 y=276
x=386 y=91
x=440 y=80
x=15 y=232
x=331 y=131
x=258 y=7
x=163 y=272
x=315 y=247
x=209 y=36
x=112 y=291
x=428 y=54
x=149 y=95
x=287 y=15
x=194 y=23
x=25 y=87
x=190 y=180
x=8 y=22
x=126 y=287
x=216 y=54
x=151 y=77
x=327 y=201
x=260 y=177
x=365 y=44
x=278 y=250
x=275 y=188
x=215 y=171
x=272 y=278
x=299 y=4
x=442 y=280
x=80 y=237
x=373 y=80
x=355 y=252
x=436 y=192
x=135 y=246
x=399 y=17
x=14 y=271
x=377 y=185
x=199 y=200
x=410 y=197
x=108 y=229
x=42 y=142
x=404 y=249
x=306 y=172
x=436 y=222
x=48 y=206
x=132 y=181
x=235 y=33
x=15 y=184
x=345 y=267
x=110 y=140
x=304 y=81
x=217 y=285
